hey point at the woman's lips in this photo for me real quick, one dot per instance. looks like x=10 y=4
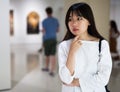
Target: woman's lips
x=75 y=30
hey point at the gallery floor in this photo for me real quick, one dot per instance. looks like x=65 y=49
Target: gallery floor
x=26 y=64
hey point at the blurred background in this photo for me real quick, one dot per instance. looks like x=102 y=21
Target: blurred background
x=21 y=39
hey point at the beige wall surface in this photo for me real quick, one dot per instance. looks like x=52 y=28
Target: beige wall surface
x=100 y=10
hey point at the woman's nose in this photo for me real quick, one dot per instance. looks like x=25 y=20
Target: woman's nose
x=74 y=22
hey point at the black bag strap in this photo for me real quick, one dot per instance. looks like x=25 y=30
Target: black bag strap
x=100 y=42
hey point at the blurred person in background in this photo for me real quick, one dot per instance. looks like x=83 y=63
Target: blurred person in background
x=114 y=34
x=50 y=29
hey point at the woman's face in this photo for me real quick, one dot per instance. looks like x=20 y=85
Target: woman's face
x=78 y=25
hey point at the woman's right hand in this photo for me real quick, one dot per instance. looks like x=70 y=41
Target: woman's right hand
x=75 y=45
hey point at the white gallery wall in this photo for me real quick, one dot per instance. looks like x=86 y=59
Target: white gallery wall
x=22 y=8
x=5 y=70
x=115 y=15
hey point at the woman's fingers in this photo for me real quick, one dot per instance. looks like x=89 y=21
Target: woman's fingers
x=79 y=42
x=76 y=38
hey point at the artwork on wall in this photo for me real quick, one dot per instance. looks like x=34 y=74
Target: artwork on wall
x=33 y=23
x=11 y=23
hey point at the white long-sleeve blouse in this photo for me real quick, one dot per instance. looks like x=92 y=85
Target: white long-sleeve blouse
x=93 y=75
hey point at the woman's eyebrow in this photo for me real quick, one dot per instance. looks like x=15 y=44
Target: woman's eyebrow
x=79 y=16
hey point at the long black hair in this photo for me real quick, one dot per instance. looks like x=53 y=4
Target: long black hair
x=85 y=11
x=113 y=25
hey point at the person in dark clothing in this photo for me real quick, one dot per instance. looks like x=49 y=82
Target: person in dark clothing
x=114 y=34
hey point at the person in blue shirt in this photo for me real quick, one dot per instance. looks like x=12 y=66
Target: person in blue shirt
x=50 y=29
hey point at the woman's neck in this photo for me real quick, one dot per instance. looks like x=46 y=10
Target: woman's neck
x=84 y=36
x=88 y=37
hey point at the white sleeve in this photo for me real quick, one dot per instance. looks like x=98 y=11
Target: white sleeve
x=64 y=72
x=101 y=77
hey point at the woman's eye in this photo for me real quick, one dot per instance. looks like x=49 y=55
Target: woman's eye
x=69 y=19
x=79 y=18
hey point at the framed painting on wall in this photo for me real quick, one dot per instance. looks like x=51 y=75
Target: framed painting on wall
x=33 y=23
x=11 y=23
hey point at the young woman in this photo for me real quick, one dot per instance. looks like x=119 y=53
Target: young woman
x=78 y=54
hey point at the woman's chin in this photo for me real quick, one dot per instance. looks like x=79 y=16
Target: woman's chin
x=76 y=34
